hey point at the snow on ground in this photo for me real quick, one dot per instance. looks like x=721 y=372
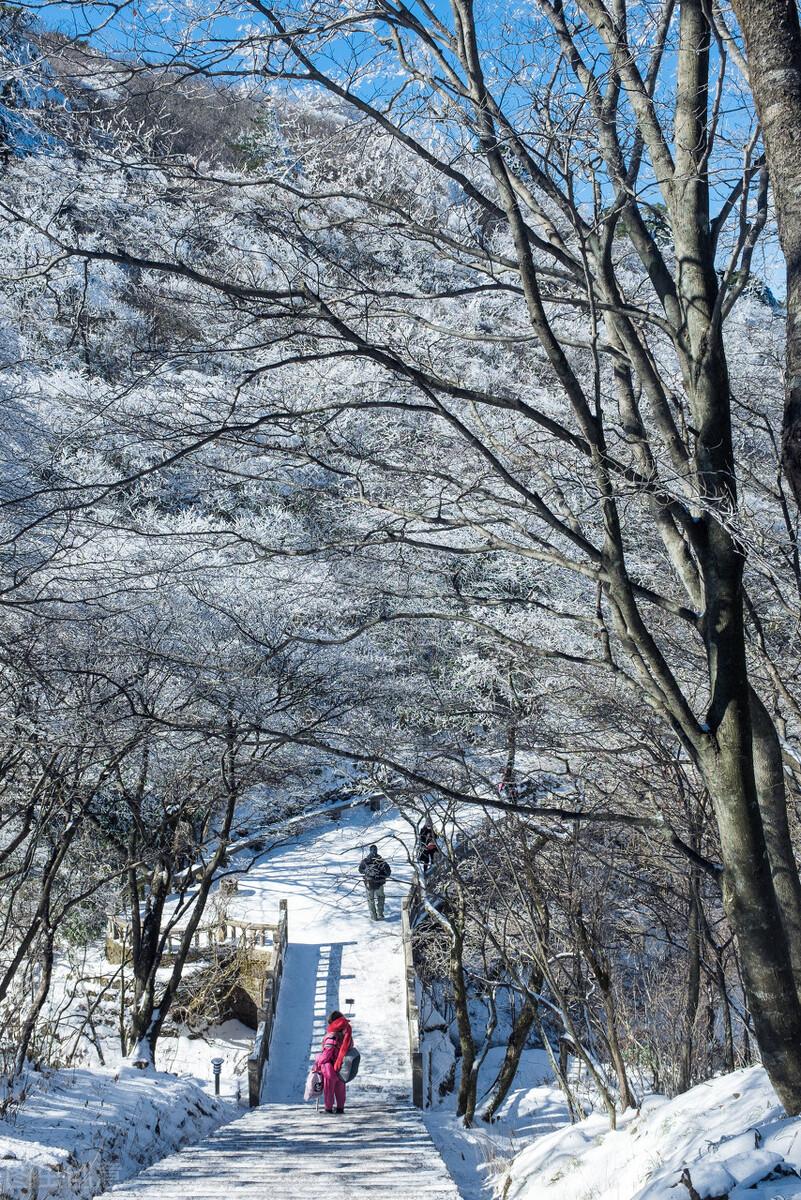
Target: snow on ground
x=80 y=1130
x=730 y=1134
x=478 y=1157
x=336 y=953
x=232 y=1041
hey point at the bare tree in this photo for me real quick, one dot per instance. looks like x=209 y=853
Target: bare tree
x=509 y=289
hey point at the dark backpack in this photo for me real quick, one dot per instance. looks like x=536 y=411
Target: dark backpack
x=376 y=870
x=350 y=1065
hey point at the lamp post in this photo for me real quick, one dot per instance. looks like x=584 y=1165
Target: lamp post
x=216 y=1066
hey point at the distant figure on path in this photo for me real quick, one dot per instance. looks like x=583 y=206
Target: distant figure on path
x=375 y=871
x=426 y=848
x=336 y=1043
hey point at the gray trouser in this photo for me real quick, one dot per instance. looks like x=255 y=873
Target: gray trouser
x=375 y=898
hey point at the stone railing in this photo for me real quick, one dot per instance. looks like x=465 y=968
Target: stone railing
x=260 y=1053
x=258 y=949
x=224 y=931
x=409 y=911
x=118 y=941
x=253 y=934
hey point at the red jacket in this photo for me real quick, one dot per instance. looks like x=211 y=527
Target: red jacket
x=336 y=1043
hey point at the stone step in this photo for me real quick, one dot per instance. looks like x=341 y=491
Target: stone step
x=289 y=1152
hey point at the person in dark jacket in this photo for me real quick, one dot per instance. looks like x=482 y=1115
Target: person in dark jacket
x=426 y=848
x=375 y=871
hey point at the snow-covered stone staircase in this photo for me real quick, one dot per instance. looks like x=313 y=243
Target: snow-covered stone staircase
x=289 y=1152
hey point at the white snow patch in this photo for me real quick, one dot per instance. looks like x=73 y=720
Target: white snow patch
x=79 y=1131
x=729 y=1135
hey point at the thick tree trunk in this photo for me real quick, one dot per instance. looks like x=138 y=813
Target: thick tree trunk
x=693 y=983
x=40 y=999
x=749 y=894
x=511 y=1059
x=772 y=795
x=147 y=947
x=773 y=43
x=727 y=760
x=466 y=1100
x=753 y=912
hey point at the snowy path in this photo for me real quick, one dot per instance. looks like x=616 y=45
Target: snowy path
x=284 y=1149
x=285 y=1152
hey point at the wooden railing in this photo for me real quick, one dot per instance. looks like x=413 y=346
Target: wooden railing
x=260 y=1053
x=409 y=911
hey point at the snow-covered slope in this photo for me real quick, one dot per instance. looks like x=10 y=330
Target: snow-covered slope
x=478 y=1157
x=724 y=1138
x=79 y=1131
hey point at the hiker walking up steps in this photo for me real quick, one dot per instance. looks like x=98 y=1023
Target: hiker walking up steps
x=336 y=1043
x=375 y=871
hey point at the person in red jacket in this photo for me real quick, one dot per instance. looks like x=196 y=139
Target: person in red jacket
x=336 y=1043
